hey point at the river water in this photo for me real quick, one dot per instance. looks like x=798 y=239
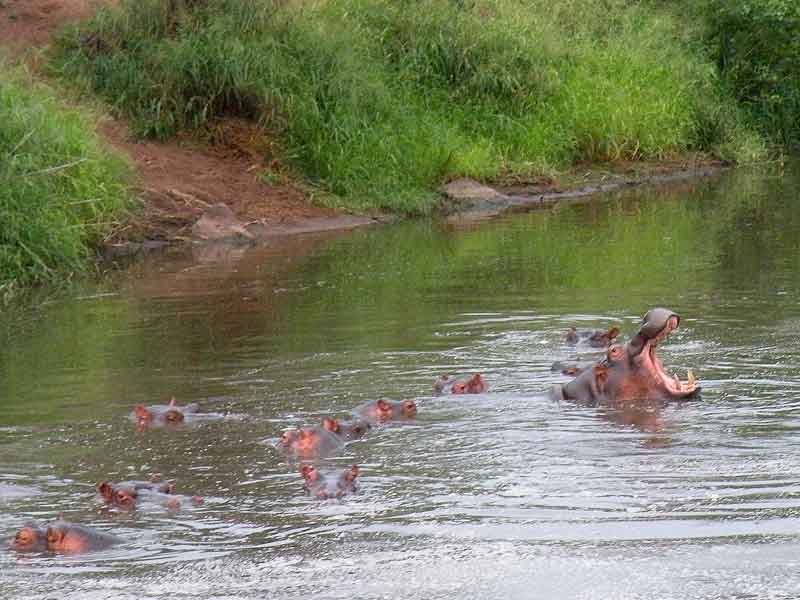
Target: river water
x=505 y=494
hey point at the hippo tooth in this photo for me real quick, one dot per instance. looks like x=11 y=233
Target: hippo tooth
x=677 y=381
x=690 y=377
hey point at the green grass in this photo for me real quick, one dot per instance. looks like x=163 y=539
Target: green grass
x=379 y=101
x=59 y=190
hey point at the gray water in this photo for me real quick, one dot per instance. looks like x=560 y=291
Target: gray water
x=505 y=494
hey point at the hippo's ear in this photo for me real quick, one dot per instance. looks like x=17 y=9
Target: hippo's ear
x=105 y=489
x=601 y=376
x=141 y=412
x=330 y=424
x=383 y=404
x=351 y=473
x=478 y=383
x=309 y=473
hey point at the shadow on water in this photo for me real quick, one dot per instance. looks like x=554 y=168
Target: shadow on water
x=507 y=493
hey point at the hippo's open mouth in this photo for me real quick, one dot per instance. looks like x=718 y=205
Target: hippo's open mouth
x=648 y=360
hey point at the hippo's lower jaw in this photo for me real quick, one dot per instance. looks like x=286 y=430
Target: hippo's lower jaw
x=672 y=385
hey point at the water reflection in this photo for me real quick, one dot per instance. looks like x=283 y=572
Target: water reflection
x=506 y=493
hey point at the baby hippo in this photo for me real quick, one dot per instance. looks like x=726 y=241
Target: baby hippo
x=162 y=414
x=450 y=385
x=309 y=442
x=62 y=536
x=325 y=486
x=347 y=431
x=596 y=338
x=380 y=411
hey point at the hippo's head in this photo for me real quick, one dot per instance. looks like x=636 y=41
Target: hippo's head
x=302 y=441
x=329 y=486
x=29 y=539
x=474 y=385
x=119 y=495
x=347 y=430
x=633 y=371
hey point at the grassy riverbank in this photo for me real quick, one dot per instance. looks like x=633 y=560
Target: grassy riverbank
x=59 y=190
x=378 y=101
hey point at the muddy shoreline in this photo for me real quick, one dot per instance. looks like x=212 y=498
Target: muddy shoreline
x=467 y=200
x=463 y=201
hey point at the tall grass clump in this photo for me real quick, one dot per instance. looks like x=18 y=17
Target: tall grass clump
x=59 y=189
x=756 y=47
x=379 y=101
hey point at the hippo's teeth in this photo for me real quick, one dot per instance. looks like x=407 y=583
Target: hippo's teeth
x=690 y=377
x=678 y=383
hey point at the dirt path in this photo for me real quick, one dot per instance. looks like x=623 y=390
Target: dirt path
x=177 y=180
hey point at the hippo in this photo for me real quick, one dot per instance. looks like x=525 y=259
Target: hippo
x=126 y=493
x=324 y=486
x=162 y=414
x=347 y=431
x=382 y=410
x=450 y=385
x=62 y=536
x=632 y=372
x=309 y=442
x=596 y=338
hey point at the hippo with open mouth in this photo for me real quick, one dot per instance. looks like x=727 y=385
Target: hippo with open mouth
x=632 y=371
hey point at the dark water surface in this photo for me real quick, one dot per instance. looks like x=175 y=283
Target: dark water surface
x=501 y=495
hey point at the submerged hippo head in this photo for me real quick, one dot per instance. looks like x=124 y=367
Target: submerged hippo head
x=633 y=371
x=71 y=538
x=326 y=486
x=29 y=539
x=119 y=495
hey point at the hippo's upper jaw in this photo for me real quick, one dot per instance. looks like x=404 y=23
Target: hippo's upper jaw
x=633 y=371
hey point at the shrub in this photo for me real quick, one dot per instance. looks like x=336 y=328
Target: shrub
x=756 y=46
